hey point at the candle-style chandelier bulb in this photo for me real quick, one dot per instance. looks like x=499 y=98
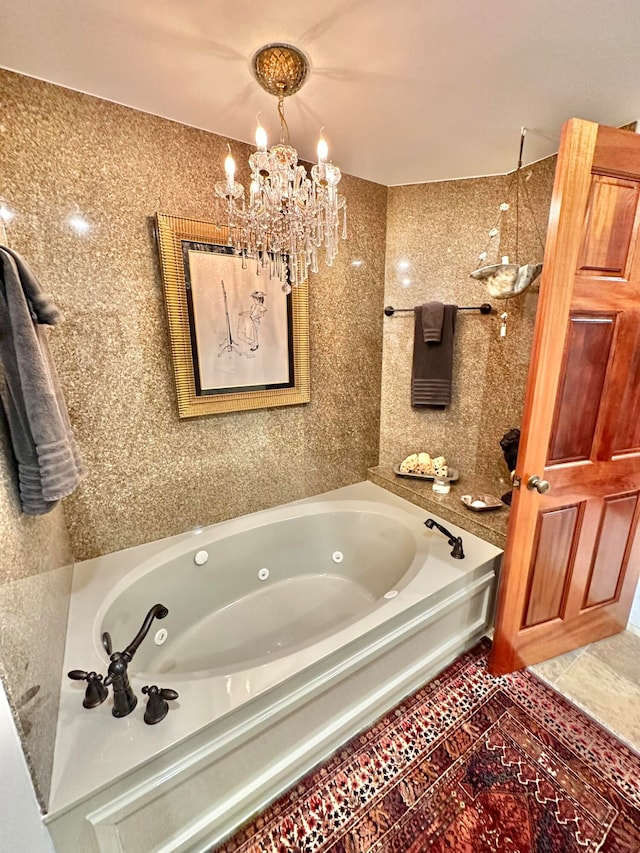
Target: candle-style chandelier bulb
x=289 y=216
x=261 y=136
x=322 y=149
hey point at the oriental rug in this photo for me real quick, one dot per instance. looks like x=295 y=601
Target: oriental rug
x=468 y=764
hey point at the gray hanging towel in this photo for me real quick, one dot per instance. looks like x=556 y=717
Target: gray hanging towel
x=432 y=368
x=49 y=464
x=432 y=319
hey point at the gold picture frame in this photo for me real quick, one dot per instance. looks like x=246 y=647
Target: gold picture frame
x=239 y=341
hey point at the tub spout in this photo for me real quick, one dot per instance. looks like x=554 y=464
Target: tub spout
x=158 y=611
x=124 y=699
x=455 y=541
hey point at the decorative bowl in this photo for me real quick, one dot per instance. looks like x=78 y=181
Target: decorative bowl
x=451 y=477
x=481 y=503
x=505 y=280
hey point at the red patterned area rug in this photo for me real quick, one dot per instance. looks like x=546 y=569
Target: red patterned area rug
x=469 y=764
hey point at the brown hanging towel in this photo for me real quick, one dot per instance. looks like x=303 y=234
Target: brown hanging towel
x=432 y=319
x=432 y=369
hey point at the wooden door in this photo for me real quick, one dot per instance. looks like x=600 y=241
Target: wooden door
x=572 y=558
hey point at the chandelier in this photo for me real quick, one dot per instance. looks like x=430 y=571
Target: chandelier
x=288 y=216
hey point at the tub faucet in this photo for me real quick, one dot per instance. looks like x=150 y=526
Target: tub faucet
x=124 y=699
x=456 y=541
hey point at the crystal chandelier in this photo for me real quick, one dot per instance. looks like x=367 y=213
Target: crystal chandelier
x=288 y=216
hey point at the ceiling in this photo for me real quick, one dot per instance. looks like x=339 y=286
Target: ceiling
x=407 y=91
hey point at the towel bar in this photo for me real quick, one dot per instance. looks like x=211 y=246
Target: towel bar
x=485 y=308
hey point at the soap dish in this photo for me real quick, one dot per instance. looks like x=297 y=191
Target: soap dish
x=481 y=503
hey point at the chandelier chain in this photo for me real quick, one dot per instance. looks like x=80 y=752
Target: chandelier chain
x=284 y=127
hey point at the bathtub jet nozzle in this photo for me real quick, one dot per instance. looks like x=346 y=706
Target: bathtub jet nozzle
x=455 y=541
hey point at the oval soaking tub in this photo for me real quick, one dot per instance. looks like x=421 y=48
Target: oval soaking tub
x=264 y=592
x=288 y=631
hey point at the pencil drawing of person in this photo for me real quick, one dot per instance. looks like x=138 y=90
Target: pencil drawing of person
x=249 y=321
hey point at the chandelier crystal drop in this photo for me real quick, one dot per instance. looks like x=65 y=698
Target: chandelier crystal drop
x=288 y=216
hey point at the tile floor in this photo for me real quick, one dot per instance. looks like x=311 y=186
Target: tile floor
x=604 y=680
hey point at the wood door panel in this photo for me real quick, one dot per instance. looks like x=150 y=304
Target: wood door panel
x=609 y=562
x=585 y=366
x=621 y=410
x=615 y=153
x=609 y=227
x=587 y=295
x=568 y=482
x=573 y=555
x=552 y=562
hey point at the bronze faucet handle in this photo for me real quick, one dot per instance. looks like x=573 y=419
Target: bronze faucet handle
x=96 y=691
x=157 y=707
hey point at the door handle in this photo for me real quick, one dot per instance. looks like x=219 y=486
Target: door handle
x=541 y=486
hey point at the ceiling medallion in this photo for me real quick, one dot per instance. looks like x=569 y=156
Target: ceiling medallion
x=288 y=215
x=281 y=69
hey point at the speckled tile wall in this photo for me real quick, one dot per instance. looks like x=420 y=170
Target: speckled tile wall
x=507 y=360
x=35 y=579
x=151 y=474
x=435 y=233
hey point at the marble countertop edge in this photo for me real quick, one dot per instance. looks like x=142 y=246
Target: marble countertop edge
x=490 y=525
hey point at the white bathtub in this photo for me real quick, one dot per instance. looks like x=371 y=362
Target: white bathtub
x=264 y=592
x=305 y=623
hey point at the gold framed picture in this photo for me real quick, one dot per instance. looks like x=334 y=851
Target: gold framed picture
x=239 y=335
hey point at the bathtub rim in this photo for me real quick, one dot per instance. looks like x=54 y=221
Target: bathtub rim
x=162 y=740
x=100 y=814
x=280 y=699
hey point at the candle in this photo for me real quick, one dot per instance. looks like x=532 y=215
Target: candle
x=261 y=138
x=323 y=149
x=253 y=190
x=230 y=169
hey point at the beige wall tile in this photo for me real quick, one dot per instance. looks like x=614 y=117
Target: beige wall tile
x=439 y=229
x=33 y=615
x=35 y=578
x=150 y=473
